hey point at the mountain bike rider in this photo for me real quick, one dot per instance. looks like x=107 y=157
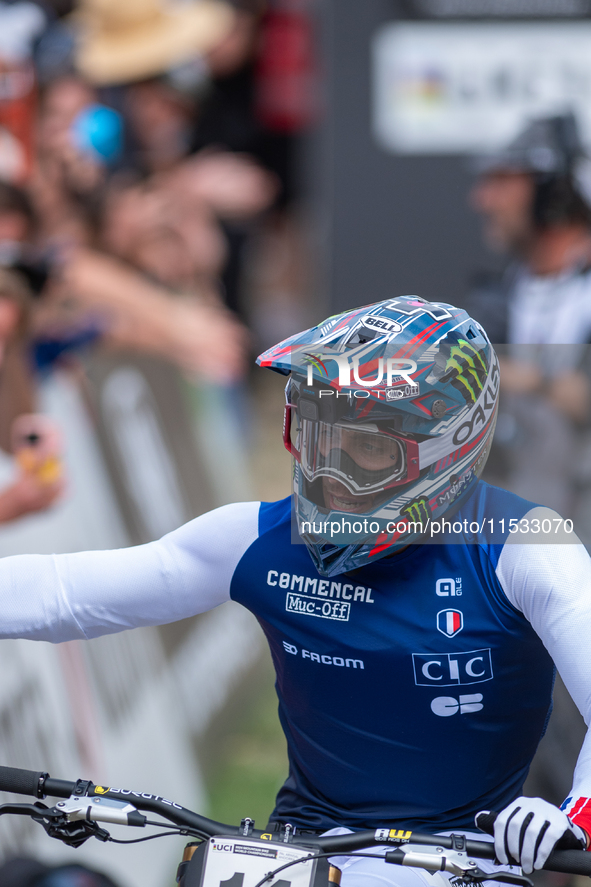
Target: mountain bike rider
x=414 y=680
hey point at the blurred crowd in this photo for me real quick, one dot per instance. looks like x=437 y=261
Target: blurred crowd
x=149 y=157
x=535 y=199
x=146 y=148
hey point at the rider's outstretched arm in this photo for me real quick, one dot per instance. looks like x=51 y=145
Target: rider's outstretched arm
x=67 y=596
x=551 y=585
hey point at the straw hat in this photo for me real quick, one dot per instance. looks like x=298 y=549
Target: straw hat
x=125 y=40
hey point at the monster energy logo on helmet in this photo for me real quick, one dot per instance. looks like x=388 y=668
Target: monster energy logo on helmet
x=418 y=511
x=465 y=366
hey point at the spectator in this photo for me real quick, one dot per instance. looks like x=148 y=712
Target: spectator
x=165 y=228
x=65 y=185
x=90 y=294
x=532 y=199
x=16 y=377
x=261 y=99
x=33 y=438
x=174 y=239
x=140 y=39
x=139 y=314
x=536 y=211
x=21 y=23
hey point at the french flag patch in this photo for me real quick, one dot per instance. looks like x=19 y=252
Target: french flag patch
x=450 y=622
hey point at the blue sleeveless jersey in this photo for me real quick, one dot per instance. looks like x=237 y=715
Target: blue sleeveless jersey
x=411 y=691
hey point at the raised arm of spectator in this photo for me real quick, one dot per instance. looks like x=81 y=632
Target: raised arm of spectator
x=199 y=337
x=232 y=185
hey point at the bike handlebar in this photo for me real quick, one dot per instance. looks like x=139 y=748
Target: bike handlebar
x=40 y=784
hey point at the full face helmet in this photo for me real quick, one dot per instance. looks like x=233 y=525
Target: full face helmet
x=389 y=417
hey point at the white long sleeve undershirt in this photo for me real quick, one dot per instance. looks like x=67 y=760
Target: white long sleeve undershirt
x=67 y=596
x=551 y=585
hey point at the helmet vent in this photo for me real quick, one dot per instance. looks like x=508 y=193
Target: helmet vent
x=360 y=337
x=470 y=334
x=438 y=408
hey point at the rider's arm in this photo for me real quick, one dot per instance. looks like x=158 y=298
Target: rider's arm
x=87 y=594
x=550 y=583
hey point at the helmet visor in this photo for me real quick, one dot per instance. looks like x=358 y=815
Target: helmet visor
x=365 y=458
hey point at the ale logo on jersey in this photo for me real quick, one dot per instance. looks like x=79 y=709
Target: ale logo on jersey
x=450 y=622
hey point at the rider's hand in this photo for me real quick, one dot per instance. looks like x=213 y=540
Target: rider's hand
x=527 y=831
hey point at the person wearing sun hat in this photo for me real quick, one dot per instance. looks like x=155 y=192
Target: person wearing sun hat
x=138 y=39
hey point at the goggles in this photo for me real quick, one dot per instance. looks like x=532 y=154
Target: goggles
x=365 y=458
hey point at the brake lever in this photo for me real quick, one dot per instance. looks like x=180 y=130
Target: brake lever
x=55 y=823
x=73 y=834
x=457 y=863
x=75 y=820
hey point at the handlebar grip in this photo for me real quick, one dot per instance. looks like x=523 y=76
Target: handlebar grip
x=22 y=782
x=573 y=862
x=569 y=841
x=486 y=822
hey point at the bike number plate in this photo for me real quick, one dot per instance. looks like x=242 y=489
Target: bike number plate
x=242 y=862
